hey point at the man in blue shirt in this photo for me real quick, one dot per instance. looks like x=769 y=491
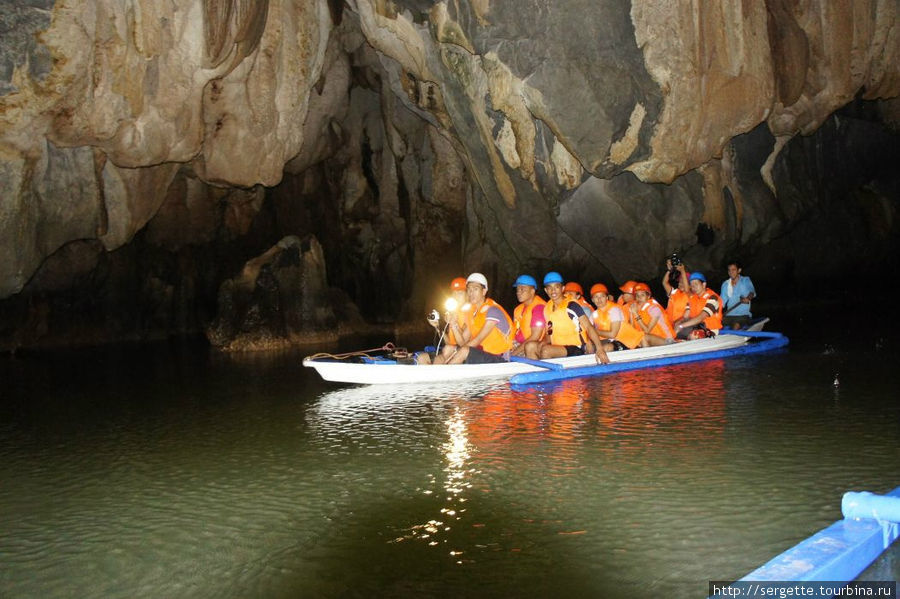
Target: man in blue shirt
x=737 y=293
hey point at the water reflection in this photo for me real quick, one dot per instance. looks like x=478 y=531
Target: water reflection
x=456 y=482
x=674 y=407
x=395 y=416
x=670 y=405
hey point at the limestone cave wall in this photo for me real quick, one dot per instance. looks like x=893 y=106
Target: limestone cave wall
x=150 y=151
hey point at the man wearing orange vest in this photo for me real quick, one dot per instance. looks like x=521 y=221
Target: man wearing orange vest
x=610 y=322
x=486 y=334
x=528 y=317
x=565 y=322
x=703 y=316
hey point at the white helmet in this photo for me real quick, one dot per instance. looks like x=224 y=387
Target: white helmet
x=477 y=277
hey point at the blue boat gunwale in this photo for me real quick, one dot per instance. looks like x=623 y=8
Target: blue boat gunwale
x=837 y=553
x=768 y=341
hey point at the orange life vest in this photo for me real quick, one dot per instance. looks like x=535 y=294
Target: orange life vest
x=462 y=313
x=522 y=317
x=678 y=301
x=698 y=302
x=626 y=308
x=495 y=342
x=588 y=308
x=662 y=328
x=628 y=335
x=566 y=330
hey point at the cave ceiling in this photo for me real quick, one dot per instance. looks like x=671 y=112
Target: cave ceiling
x=419 y=138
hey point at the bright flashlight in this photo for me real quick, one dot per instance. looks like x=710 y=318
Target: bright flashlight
x=451 y=304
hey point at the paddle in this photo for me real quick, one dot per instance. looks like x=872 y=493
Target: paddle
x=743 y=333
x=538 y=363
x=734 y=307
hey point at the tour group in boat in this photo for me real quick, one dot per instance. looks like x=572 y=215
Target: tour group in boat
x=565 y=335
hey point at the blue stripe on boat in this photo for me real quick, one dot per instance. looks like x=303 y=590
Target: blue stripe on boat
x=770 y=342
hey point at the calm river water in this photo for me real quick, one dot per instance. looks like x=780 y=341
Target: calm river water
x=172 y=471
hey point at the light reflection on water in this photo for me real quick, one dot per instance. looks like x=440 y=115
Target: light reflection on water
x=185 y=476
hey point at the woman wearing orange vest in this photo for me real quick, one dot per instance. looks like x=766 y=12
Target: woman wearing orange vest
x=528 y=317
x=610 y=322
x=565 y=321
x=486 y=335
x=649 y=316
x=703 y=316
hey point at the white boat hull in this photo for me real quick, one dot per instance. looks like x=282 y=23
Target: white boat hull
x=390 y=373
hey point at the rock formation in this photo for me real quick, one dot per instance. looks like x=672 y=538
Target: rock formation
x=281 y=298
x=418 y=140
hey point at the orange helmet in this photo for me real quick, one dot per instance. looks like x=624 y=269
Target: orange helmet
x=598 y=288
x=628 y=286
x=641 y=287
x=458 y=284
x=573 y=287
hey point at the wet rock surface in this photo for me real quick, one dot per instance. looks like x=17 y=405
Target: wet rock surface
x=280 y=299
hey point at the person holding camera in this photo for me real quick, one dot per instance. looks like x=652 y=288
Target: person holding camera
x=737 y=293
x=456 y=305
x=675 y=282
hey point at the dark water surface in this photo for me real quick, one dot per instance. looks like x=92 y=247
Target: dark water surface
x=172 y=471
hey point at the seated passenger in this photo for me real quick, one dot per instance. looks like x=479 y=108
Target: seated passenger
x=457 y=304
x=610 y=323
x=573 y=290
x=703 y=316
x=485 y=335
x=649 y=316
x=528 y=317
x=565 y=322
x=626 y=299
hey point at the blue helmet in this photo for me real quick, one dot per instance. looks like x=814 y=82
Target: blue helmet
x=697 y=276
x=525 y=280
x=552 y=277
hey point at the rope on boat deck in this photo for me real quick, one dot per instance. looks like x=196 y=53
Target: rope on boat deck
x=387 y=347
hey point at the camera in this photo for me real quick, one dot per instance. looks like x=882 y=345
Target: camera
x=433 y=316
x=674 y=274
